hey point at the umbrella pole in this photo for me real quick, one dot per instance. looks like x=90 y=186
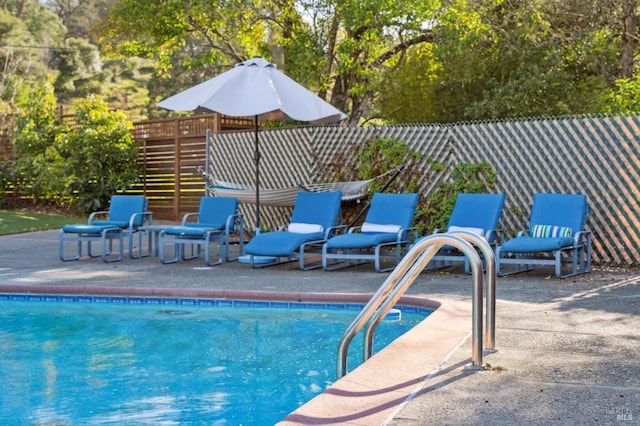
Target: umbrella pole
x=256 y=159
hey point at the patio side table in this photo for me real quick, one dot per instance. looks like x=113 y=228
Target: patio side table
x=153 y=232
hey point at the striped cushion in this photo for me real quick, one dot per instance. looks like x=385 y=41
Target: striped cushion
x=550 y=231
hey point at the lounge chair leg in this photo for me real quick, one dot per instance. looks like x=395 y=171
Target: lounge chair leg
x=108 y=235
x=161 y=254
x=207 y=249
x=141 y=253
x=61 y=241
x=183 y=251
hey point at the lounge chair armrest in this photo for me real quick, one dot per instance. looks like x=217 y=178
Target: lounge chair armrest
x=494 y=236
x=354 y=229
x=93 y=215
x=439 y=230
x=411 y=236
x=335 y=230
x=410 y=233
x=581 y=237
x=190 y=216
x=147 y=219
x=233 y=220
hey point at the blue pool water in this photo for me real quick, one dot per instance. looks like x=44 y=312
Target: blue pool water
x=169 y=361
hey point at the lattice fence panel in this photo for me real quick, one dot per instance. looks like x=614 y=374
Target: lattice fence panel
x=315 y=154
x=598 y=157
x=285 y=160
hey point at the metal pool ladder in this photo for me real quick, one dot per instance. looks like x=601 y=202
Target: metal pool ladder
x=406 y=272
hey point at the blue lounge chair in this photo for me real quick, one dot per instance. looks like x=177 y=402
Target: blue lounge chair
x=314 y=219
x=216 y=222
x=475 y=213
x=126 y=214
x=385 y=233
x=556 y=236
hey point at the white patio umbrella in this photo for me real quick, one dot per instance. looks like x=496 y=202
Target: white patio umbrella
x=255 y=88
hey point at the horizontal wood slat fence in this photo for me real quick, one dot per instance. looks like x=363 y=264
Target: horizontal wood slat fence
x=172 y=150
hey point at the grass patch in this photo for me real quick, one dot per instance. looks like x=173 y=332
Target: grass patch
x=18 y=221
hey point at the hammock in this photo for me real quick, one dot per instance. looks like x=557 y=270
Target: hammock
x=282 y=197
x=285 y=197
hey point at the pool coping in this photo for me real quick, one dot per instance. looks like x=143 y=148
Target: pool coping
x=370 y=394
x=374 y=392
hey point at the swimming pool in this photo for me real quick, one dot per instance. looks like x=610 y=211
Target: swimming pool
x=169 y=360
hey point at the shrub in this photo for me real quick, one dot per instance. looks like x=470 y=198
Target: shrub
x=79 y=166
x=377 y=157
x=466 y=177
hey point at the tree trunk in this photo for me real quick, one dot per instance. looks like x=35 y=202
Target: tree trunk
x=340 y=92
x=628 y=38
x=332 y=37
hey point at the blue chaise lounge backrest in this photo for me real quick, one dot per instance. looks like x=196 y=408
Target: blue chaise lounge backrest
x=392 y=209
x=122 y=207
x=477 y=211
x=318 y=208
x=564 y=210
x=214 y=211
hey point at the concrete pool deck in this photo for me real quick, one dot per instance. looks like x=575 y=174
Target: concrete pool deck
x=567 y=350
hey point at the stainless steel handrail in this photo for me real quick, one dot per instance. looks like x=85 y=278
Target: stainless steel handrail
x=489 y=330
x=401 y=278
x=491 y=274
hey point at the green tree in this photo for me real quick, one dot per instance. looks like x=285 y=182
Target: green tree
x=34 y=134
x=503 y=58
x=27 y=31
x=364 y=38
x=79 y=16
x=100 y=154
x=624 y=98
x=79 y=66
x=187 y=42
x=338 y=48
x=79 y=166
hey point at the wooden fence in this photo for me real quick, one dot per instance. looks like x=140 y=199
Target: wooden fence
x=597 y=156
x=172 y=151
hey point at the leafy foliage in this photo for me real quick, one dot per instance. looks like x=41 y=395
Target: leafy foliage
x=379 y=157
x=101 y=154
x=502 y=59
x=624 y=99
x=378 y=60
x=336 y=47
x=466 y=177
x=382 y=155
x=80 y=166
x=79 y=62
x=34 y=134
x=24 y=28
